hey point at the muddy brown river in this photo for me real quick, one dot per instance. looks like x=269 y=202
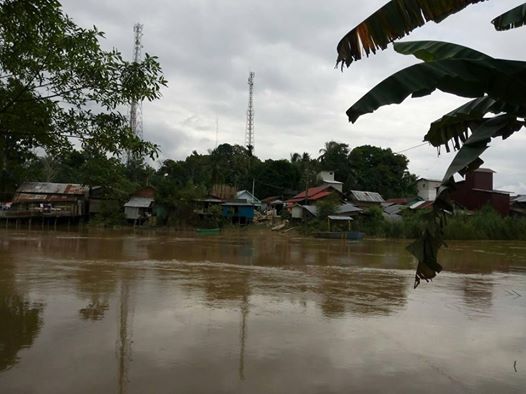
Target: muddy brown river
x=256 y=312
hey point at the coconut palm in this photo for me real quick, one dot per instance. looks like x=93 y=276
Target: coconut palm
x=496 y=87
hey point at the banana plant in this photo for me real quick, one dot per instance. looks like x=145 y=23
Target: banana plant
x=496 y=88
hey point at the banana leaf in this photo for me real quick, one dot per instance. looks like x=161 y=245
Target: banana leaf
x=454 y=126
x=515 y=17
x=500 y=79
x=499 y=126
x=430 y=51
x=394 y=20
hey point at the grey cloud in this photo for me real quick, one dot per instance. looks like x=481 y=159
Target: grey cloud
x=207 y=48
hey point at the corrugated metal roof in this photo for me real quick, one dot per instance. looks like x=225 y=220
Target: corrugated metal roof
x=348 y=207
x=52 y=188
x=238 y=204
x=491 y=191
x=245 y=194
x=429 y=180
x=421 y=205
x=310 y=192
x=313 y=197
x=139 y=202
x=393 y=209
x=33 y=198
x=213 y=200
x=365 y=196
x=312 y=209
x=342 y=218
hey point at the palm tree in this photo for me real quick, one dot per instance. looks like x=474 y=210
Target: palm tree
x=496 y=87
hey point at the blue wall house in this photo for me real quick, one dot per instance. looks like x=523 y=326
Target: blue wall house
x=241 y=212
x=248 y=197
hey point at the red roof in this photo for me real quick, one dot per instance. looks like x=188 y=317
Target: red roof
x=398 y=201
x=313 y=194
x=311 y=198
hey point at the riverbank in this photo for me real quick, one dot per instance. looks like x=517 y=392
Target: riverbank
x=483 y=225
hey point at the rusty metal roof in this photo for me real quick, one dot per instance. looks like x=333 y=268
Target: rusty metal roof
x=31 y=197
x=365 y=196
x=43 y=188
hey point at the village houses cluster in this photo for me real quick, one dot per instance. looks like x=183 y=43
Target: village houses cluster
x=74 y=201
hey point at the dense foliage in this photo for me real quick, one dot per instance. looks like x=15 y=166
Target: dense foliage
x=59 y=89
x=483 y=224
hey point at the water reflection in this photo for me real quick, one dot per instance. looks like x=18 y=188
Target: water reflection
x=20 y=319
x=94 y=283
x=251 y=313
x=478 y=295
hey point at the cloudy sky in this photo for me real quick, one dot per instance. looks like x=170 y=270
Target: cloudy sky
x=208 y=47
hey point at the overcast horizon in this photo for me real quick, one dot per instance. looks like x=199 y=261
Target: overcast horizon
x=207 y=49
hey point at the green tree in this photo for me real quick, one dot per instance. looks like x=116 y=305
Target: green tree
x=233 y=165
x=382 y=171
x=497 y=88
x=334 y=157
x=274 y=177
x=326 y=207
x=58 y=85
x=307 y=167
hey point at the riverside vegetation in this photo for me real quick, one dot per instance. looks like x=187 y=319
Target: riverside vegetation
x=484 y=224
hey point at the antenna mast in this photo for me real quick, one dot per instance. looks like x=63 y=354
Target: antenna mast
x=249 y=134
x=136 y=107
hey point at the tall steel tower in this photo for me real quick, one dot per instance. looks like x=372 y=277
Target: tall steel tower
x=136 y=107
x=249 y=133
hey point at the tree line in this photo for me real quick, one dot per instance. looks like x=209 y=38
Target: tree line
x=362 y=168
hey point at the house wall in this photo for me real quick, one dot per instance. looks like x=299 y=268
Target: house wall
x=296 y=212
x=477 y=199
x=52 y=208
x=325 y=175
x=242 y=213
x=480 y=180
x=427 y=190
x=131 y=213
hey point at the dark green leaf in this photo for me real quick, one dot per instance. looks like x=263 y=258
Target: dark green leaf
x=456 y=123
x=500 y=79
x=515 y=17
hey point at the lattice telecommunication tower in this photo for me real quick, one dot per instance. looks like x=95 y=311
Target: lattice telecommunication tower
x=136 y=107
x=249 y=134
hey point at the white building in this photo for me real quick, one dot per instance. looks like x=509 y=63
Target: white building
x=327 y=178
x=427 y=188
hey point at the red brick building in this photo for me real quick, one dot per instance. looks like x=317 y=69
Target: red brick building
x=476 y=191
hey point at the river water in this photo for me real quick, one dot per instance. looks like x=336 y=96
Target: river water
x=256 y=312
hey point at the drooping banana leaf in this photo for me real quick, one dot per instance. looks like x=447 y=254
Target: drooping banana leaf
x=394 y=20
x=431 y=51
x=426 y=247
x=515 y=17
x=500 y=79
x=454 y=126
x=499 y=126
